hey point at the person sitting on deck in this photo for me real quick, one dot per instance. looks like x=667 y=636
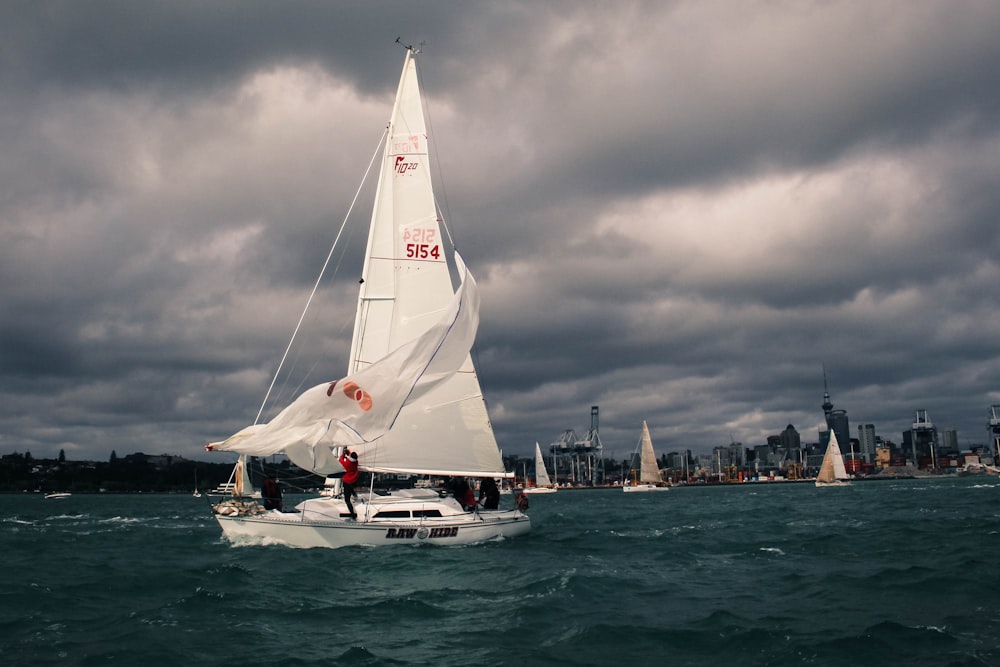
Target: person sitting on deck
x=270 y=493
x=489 y=493
x=463 y=494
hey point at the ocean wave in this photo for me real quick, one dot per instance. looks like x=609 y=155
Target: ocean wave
x=772 y=550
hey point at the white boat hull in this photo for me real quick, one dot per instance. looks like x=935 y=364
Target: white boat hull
x=644 y=488
x=536 y=490
x=403 y=519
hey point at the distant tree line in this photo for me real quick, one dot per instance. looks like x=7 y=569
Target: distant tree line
x=134 y=473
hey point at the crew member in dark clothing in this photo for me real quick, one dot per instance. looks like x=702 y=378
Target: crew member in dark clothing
x=270 y=493
x=489 y=493
x=349 y=460
x=522 y=501
x=463 y=493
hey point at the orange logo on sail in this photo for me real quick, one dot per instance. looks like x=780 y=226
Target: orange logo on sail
x=354 y=392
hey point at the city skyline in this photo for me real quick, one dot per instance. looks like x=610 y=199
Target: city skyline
x=679 y=212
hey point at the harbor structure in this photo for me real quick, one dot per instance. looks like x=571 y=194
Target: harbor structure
x=920 y=443
x=579 y=460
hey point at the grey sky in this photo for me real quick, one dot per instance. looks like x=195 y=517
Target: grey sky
x=676 y=211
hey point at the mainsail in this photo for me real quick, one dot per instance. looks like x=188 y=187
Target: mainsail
x=649 y=469
x=411 y=402
x=541 y=474
x=832 y=468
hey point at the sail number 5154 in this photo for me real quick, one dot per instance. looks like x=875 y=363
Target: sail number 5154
x=421 y=243
x=423 y=251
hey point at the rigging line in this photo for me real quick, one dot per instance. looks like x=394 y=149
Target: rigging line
x=322 y=271
x=295 y=391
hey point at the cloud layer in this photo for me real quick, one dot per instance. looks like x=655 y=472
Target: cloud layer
x=679 y=212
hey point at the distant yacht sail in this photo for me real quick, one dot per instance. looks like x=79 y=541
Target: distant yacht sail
x=542 y=482
x=832 y=472
x=649 y=470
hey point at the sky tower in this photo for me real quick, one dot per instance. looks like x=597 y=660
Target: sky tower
x=836 y=421
x=827 y=403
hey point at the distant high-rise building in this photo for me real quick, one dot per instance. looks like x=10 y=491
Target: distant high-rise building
x=720 y=458
x=995 y=431
x=839 y=424
x=790 y=439
x=949 y=441
x=737 y=455
x=922 y=441
x=867 y=441
x=677 y=460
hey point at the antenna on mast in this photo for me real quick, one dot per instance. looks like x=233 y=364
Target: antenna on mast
x=410 y=47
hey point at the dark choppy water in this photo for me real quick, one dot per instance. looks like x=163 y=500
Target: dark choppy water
x=881 y=573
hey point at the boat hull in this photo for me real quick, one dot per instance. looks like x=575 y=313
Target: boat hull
x=536 y=490
x=644 y=488
x=324 y=522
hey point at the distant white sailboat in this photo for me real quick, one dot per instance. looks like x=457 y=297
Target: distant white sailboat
x=542 y=482
x=649 y=471
x=411 y=403
x=832 y=472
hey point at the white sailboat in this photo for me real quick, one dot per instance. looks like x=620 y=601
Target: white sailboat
x=832 y=471
x=649 y=471
x=542 y=482
x=411 y=402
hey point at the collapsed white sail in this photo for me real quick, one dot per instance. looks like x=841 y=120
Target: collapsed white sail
x=649 y=469
x=411 y=402
x=541 y=474
x=362 y=407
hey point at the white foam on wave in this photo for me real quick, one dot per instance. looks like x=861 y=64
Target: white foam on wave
x=18 y=522
x=124 y=520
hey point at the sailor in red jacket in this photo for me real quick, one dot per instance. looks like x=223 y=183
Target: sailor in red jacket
x=349 y=460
